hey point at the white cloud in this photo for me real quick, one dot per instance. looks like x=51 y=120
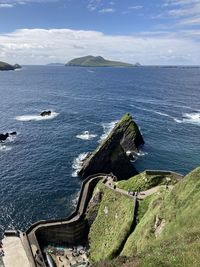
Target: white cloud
x=135 y=7
x=41 y=46
x=191 y=21
x=93 y=4
x=4 y=5
x=187 y=12
x=107 y=10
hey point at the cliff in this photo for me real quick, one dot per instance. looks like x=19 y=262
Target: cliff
x=111 y=155
x=6 y=66
x=91 y=61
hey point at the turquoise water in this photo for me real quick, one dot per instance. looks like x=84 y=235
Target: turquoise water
x=37 y=177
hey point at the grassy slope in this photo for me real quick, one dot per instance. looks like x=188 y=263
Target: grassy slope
x=110 y=229
x=90 y=61
x=179 y=242
x=144 y=181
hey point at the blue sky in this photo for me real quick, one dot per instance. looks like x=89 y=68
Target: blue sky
x=151 y=32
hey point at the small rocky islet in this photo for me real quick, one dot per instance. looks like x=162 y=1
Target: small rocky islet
x=114 y=153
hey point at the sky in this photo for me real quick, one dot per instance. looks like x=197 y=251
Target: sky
x=151 y=32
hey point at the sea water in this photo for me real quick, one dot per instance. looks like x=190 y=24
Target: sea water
x=38 y=177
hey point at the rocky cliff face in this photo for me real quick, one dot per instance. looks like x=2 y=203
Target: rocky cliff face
x=111 y=155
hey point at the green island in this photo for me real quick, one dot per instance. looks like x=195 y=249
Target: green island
x=92 y=61
x=5 y=66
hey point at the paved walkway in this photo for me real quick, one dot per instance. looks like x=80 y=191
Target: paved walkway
x=14 y=252
x=144 y=194
x=111 y=185
x=141 y=195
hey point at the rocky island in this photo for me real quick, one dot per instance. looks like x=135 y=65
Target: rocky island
x=114 y=153
x=92 y=61
x=5 y=66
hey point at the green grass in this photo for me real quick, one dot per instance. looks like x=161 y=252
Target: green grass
x=143 y=181
x=143 y=207
x=112 y=224
x=179 y=241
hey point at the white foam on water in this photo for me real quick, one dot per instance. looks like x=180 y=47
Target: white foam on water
x=91 y=71
x=36 y=117
x=192 y=118
x=138 y=154
x=5 y=148
x=141 y=153
x=86 y=135
x=12 y=138
x=163 y=114
x=107 y=128
x=77 y=163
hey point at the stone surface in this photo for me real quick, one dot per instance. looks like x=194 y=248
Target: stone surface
x=111 y=155
x=15 y=255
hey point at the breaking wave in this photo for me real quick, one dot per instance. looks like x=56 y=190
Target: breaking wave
x=5 y=147
x=192 y=118
x=77 y=163
x=86 y=135
x=36 y=117
x=107 y=128
x=136 y=155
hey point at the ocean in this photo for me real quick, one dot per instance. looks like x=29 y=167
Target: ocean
x=38 y=167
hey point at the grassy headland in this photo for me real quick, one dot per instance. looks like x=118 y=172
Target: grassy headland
x=91 y=61
x=168 y=226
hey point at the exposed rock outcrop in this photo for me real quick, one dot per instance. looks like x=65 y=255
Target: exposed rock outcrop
x=45 y=113
x=6 y=66
x=111 y=155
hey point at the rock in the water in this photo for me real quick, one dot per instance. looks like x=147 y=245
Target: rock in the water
x=111 y=156
x=3 y=137
x=45 y=113
x=13 y=133
x=17 y=66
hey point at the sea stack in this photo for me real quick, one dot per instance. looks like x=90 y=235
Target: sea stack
x=113 y=154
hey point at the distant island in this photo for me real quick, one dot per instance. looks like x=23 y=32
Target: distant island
x=55 y=64
x=6 y=66
x=92 y=61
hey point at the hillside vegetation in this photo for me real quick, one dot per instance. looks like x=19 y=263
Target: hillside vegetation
x=91 y=61
x=112 y=224
x=144 y=181
x=168 y=229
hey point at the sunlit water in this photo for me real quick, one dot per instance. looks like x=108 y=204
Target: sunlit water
x=39 y=165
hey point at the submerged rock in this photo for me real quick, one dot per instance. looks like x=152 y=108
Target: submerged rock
x=111 y=154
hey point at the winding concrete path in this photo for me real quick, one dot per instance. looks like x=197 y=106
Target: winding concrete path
x=151 y=191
